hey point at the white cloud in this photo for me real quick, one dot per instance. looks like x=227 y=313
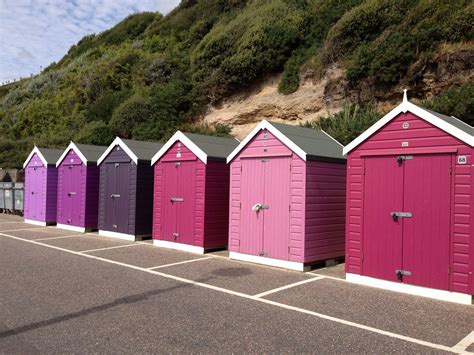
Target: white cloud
x=35 y=33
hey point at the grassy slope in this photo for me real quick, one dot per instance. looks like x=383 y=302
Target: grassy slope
x=150 y=75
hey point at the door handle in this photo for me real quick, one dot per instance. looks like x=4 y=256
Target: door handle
x=396 y=215
x=114 y=195
x=177 y=199
x=71 y=193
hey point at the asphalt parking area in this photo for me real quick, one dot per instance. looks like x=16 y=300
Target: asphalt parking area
x=60 y=294
x=241 y=277
x=146 y=256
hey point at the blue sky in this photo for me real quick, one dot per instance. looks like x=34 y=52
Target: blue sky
x=34 y=33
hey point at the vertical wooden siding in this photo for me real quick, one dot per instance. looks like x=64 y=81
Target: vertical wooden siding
x=325 y=210
x=420 y=134
x=271 y=146
x=216 y=224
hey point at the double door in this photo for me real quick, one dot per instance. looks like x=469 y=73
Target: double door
x=71 y=178
x=117 y=196
x=34 y=192
x=406 y=220
x=265 y=207
x=178 y=201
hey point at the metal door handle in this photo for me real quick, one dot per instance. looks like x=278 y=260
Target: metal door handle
x=177 y=199
x=397 y=215
x=114 y=195
x=71 y=193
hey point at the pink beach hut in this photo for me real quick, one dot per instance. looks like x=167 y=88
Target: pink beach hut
x=78 y=187
x=191 y=193
x=287 y=197
x=41 y=180
x=410 y=205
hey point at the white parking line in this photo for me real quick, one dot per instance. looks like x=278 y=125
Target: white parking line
x=269 y=292
x=61 y=237
x=107 y=248
x=23 y=229
x=250 y=297
x=464 y=343
x=11 y=222
x=178 y=263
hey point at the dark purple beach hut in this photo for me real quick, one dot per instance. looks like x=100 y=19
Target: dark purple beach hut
x=78 y=187
x=126 y=189
x=41 y=183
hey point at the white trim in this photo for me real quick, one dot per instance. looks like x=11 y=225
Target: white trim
x=418 y=111
x=285 y=264
x=73 y=147
x=268 y=126
x=71 y=228
x=118 y=235
x=178 y=246
x=181 y=137
x=441 y=295
x=36 y=223
x=33 y=152
x=334 y=139
x=118 y=142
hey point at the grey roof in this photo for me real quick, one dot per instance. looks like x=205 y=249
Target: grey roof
x=315 y=143
x=453 y=121
x=214 y=147
x=91 y=152
x=143 y=150
x=51 y=155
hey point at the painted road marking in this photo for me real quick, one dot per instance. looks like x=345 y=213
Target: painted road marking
x=269 y=292
x=61 y=237
x=11 y=222
x=178 y=263
x=464 y=344
x=250 y=297
x=107 y=248
x=25 y=229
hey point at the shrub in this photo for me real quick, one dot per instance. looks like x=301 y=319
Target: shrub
x=130 y=114
x=347 y=124
x=96 y=132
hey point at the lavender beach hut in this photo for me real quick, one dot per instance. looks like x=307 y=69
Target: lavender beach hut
x=41 y=179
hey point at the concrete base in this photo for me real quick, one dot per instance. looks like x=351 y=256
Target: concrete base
x=36 y=223
x=123 y=236
x=441 y=295
x=285 y=264
x=178 y=246
x=71 y=228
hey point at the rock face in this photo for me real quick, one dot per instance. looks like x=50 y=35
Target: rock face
x=319 y=96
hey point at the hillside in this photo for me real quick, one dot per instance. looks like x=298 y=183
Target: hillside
x=218 y=66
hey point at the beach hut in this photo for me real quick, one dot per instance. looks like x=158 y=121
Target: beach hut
x=287 y=202
x=78 y=187
x=410 y=205
x=191 y=195
x=126 y=189
x=41 y=179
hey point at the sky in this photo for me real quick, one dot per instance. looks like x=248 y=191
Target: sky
x=35 y=33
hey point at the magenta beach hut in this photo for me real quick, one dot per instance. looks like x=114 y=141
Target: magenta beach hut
x=41 y=179
x=191 y=194
x=78 y=187
x=126 y=189
x=287 y=202
x=410 y=205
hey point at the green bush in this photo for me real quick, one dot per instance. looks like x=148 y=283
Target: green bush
x=347 y=124
x=96 y=132
x=456 y=101
x=130 y=114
